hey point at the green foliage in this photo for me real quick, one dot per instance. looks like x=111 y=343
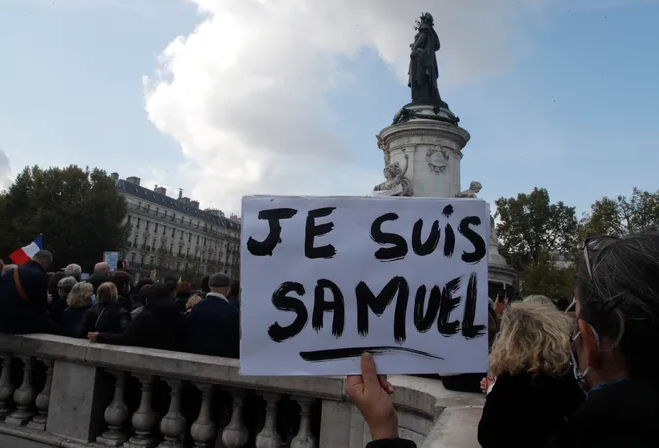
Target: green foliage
x=530 y=226
x=544 y=278
x=78 y=211
x=622 y=216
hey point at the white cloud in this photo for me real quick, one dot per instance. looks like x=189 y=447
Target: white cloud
x=5 y=171
x=245 y=93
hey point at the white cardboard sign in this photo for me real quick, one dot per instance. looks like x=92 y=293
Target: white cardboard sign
x=327 y=278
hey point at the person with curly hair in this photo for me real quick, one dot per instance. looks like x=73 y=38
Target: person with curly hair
x=530 y=361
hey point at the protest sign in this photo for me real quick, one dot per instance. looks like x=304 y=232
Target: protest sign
x=111 y=258
x=325 y=279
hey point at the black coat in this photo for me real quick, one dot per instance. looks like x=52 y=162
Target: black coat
x=157 y=326
x=71 y=323
x=391 y=443
x=57 y=307
x=527 y=410
x=97 y=280
x=213 y=328
x=21 y=316
x=112 y=319
x=618 y=415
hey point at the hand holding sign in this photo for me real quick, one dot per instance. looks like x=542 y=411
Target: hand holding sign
x=370 y=393
x=399 y=278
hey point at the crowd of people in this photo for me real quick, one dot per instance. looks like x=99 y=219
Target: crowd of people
x=109 y=307
x=584 y=377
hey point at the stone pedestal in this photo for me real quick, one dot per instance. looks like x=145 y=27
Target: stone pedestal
x=424 y=149
x=434 y=150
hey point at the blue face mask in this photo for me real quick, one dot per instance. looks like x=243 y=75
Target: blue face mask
x=93 y=298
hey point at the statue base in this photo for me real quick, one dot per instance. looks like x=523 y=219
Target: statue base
x=433 y=146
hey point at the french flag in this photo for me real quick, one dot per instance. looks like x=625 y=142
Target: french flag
x=25 y=254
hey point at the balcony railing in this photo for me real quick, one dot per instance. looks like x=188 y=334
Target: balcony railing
x=57 y=391
x=170 y=218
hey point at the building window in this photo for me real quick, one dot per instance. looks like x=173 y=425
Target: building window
x=151 y=261
x=189 y=237
x=155 y=227
x=148 y=207
x=132 y=258
x=137 y=226
x=173 y=232
x=153 y=245
x=164 y=230
x=128 y=219
x=197 y=239
x=147 y=226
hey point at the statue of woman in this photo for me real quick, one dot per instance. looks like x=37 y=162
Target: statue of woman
x=396 y=184
x=423 y=71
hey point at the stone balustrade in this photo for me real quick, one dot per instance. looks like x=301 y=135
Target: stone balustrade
x=58 y=391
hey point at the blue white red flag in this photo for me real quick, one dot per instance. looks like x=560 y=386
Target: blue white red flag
x=25 y=253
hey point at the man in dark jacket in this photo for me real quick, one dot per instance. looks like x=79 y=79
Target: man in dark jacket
x=24 y=297
x=101 y=275
x=213 y=325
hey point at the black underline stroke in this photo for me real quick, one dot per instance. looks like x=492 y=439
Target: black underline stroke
x=356 y=352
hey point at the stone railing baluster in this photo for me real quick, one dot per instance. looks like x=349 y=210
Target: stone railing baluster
x=43 y=399
x=116 y=414
x=172 y=424
x=6 y=388
x=235 y=435
x=144 y=419
x=268 y=437
x=203 y=429
x=24 y=397
x=304 y=439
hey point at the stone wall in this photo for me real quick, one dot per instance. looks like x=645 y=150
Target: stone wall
x=57 y=391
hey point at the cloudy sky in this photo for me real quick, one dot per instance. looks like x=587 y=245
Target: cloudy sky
x=224 y=98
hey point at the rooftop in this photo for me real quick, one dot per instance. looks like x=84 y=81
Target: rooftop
x=188 y=209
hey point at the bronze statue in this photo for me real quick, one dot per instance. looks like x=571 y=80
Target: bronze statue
x=423 y=71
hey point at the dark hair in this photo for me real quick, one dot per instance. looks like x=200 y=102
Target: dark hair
x=235 y=288
x=122 y=281
x=621 y=299
x=143 y=282
x=183 y=290
x=54 y=280
x=204 y=283
x=171 y=284
x=160 y=297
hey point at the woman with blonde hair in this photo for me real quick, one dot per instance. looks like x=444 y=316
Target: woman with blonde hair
x=192 y=301
x=108 y=315
x=79 y=300
x=530 y=361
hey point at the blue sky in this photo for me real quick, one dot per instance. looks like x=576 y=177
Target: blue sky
x=573 y=106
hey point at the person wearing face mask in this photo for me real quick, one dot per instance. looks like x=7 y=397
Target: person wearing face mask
x=615 y=347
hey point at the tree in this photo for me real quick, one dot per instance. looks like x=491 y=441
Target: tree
x=622 y=216
x=543 y=277
x=79 y=212
x=530 y=226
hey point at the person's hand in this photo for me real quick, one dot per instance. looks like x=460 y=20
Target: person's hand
x=92 y=336
x=49 y=298
x=370 y=393
x=486 y=383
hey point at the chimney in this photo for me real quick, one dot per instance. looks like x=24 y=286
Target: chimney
x=185 y=200
x=114 y=176
x=160 y=190
x=195 y=204
x=234 y=218
x=180 y=194
x=133 y=180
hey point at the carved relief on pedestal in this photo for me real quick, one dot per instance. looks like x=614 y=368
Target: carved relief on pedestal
x=437 y=158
